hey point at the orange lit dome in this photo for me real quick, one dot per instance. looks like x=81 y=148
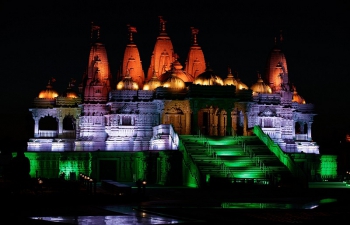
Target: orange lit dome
x=230 y=80
x=297 y=98
x=153 y=83
x=127 y=84
x=208 y=78
x=174 y=82
x=176 y=69
x=261 y=87
x=70 y=93
x=241 y=85
x=49 y=92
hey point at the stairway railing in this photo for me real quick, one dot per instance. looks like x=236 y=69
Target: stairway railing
x=258 y=162
x=211 y=152
x=283 y=157
x=189 y=163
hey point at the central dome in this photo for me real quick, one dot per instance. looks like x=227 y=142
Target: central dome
x=208 y=78
x=49 y=92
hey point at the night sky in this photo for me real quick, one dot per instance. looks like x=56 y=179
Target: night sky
x=52 y=39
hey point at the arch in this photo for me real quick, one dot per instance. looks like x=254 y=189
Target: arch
x=69 y=123
x=297 y=128
x=48 y=123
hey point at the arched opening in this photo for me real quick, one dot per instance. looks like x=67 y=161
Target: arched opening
x=48 y=127
x=297 y=128
x=305 y=128
x=69 y=127
x=69 y=123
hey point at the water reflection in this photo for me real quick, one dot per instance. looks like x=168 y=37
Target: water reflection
x=108 y=220
x=273 y=205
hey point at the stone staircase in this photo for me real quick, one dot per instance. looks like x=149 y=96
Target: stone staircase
x=235 y=159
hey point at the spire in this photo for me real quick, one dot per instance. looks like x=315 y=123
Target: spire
x=95 y=31
x=163 y=53
x=162 y=26
x=131 y=30
x=194 y=35
x=195 y=62
x=131 y=64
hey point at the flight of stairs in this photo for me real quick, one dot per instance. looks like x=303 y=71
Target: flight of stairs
x=237 y=159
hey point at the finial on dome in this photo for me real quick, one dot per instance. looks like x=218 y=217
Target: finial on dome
x=281 y=36
x=162 y=24
x=131 y=30
x=259 y=75
x=229 y=70
x=95 y=28
x=194 y=35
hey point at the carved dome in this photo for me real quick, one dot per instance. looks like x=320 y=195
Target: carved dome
x=127 y=84
x=174 y=82
x=208 y=78
x=176 y=69
x=153 y=83
x=297 y=98
x=241 y=85
x=261 y=87
x=230 y=80
x=49 y=92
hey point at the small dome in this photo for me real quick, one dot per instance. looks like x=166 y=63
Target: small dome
x=174 y=82
x=241 y=85
x=153 y=83
x=127 y=84
x=261 y=87
x=230 y=80
x=49 y=92
x=70 y=93
x=208 y=78
x=176 y=68
x=297 y=98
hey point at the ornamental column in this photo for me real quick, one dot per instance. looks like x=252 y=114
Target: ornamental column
x=60 y=126
x=188 y=122
x=228 y=122
x=36 y=127
x=309 y=135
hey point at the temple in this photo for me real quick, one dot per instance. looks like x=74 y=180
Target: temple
x=176 y=125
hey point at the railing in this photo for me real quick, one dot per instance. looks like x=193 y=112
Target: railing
x=48 y=133
x=284 y=158
x=211 y=152
x=189 y=163
x=301 y=137
x=247 y=150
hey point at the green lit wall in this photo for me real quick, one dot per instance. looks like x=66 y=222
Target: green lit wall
x=328 y=167
x=163 y=167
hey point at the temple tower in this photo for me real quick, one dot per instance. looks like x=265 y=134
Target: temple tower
x=163 y=53
x=132 y=64
x=195 y=63
x=276 y=69
x=97 y=86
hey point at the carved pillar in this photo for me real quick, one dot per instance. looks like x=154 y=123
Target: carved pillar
x=234 y=122
x=36 y=126
x=245 y=123
x=60 y=126
x=228 y=122
x=187 y=122
x=309 y=134
x=77 y=127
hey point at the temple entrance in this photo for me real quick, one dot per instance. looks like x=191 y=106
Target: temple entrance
x=203 y=122
x=48 y=127
x=108 y=170
x=68 y=127
x=48 y=123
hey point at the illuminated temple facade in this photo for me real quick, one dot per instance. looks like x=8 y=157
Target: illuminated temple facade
x=140 y=113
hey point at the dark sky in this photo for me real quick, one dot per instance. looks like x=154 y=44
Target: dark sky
x=44 y=39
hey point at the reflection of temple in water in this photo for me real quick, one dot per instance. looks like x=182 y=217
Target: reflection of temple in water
x=138 y=127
